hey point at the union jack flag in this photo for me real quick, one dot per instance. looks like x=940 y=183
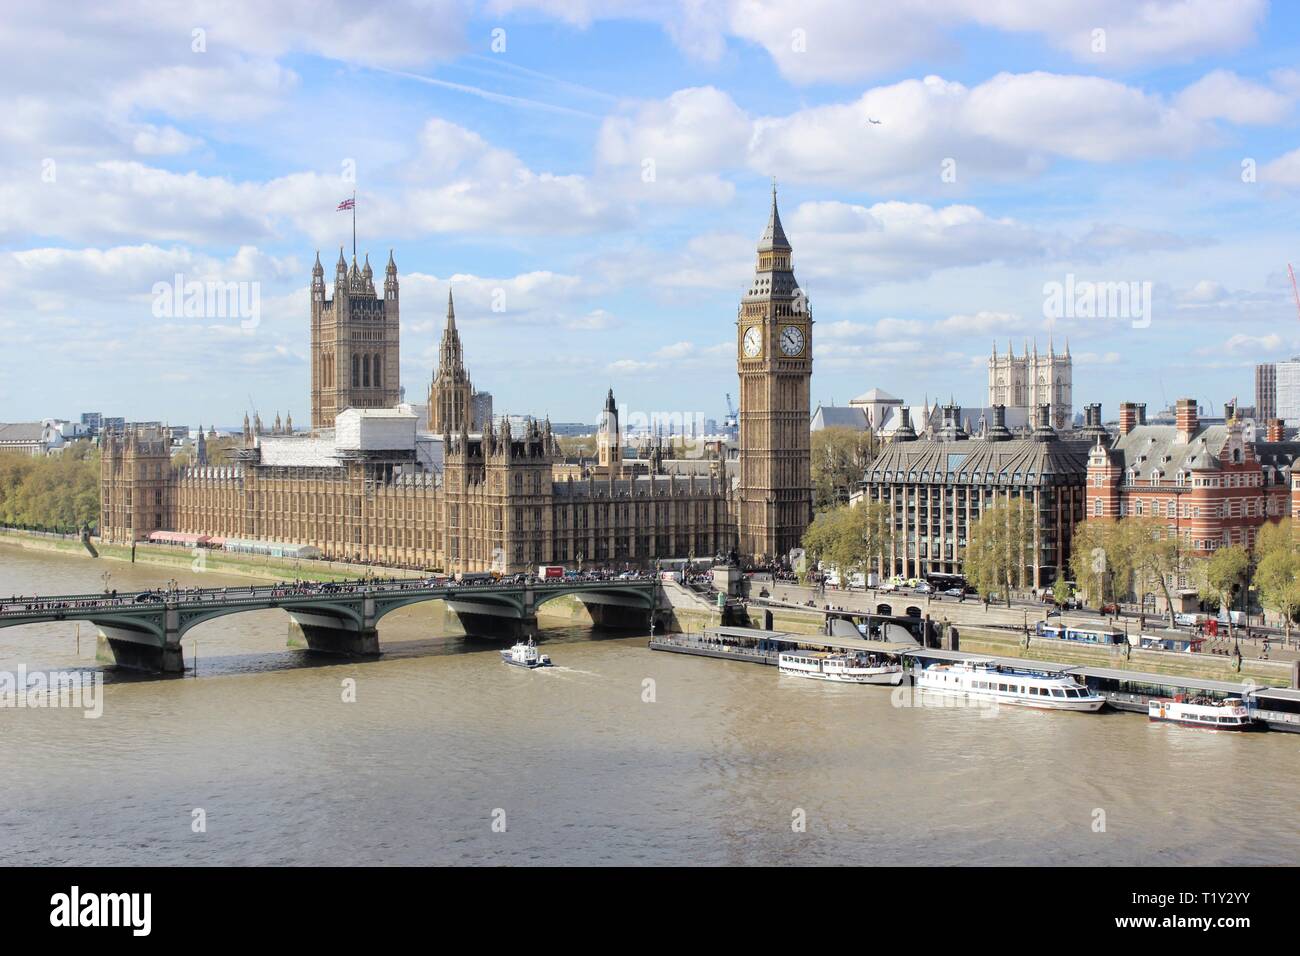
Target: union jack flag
x=346 y=204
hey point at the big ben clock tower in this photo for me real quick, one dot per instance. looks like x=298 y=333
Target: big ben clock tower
x=774 y=359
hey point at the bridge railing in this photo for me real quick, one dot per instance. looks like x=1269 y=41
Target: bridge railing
x=39 y=606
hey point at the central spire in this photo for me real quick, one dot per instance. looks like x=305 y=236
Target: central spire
x=773 y=236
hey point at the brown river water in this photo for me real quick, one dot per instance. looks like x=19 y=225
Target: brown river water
x=447 y=756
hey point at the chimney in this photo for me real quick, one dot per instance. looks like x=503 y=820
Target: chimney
x=904 y=431
x=1043 y=430
x=1127 y=417
x=1093 y=429
x=1276 y=430
x=1185 y=419
x=998 y=430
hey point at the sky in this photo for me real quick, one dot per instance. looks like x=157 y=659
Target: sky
x=591 y=178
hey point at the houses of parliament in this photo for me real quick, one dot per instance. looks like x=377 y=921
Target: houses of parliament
x=444 y=487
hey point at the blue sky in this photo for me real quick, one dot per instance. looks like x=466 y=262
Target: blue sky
x=136 y=149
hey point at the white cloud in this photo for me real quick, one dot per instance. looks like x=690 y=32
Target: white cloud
x=1097 y=358
x=163 y=141
x=843 y=243
x=1285 y=170
x=983 y=323
x=817 y=41
x=1241 y=343
x=1222 y=94
x=912 y=132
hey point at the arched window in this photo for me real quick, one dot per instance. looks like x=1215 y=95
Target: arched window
x=356 y=371
x=365 y=371
x=376 y=364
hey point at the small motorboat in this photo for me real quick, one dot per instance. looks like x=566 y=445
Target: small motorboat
x=525 y=654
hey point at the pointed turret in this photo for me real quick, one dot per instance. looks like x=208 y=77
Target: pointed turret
x=774 y=235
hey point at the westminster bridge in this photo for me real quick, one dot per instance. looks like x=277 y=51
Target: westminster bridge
x=145 y=629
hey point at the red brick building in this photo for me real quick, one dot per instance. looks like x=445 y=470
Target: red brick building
x=1205 y=482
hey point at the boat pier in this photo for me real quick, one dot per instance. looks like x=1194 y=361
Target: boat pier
x=1277 y=708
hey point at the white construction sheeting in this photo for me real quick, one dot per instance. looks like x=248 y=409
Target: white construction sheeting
x=375 y=429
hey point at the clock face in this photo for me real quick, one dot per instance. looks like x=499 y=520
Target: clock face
x=753 y=341
x=792 y=340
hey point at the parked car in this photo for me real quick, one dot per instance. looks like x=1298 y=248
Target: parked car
x=923 y=588
x=954 y=592
x=1111 y=608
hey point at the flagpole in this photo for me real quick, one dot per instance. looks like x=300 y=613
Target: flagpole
x=354 y=225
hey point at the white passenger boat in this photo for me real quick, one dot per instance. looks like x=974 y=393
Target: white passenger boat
x=1226 y=714
x=855 y=668
x=525 y=655
x=987 y=680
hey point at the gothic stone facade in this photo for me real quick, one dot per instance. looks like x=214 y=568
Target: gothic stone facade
x=496 y=507
x=355 y=342
x=1030 y=380
x=774 y=360
x=500 y=501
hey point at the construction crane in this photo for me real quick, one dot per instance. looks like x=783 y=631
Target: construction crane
x=733 y=417
x=1294 y=290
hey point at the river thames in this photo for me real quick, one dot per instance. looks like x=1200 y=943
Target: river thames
x=617 y=755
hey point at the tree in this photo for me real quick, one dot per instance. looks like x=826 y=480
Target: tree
x=849 y=538
x=1225 y=571
x=1153 y=555
x=1276 y=536
x=1061 y=590
x=1090 y=560
x=839 y=457
x=59 y=491
x=575 y=446
x=1000 y=547
x=1277 y=572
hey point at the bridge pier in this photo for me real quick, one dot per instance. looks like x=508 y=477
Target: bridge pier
x=618 y=616
x=493 y=625
x=327 y=636
x=140 y=651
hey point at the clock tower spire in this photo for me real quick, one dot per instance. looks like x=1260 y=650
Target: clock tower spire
x=774 y=361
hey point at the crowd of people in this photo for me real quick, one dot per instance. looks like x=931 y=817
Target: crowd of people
x=172 y=593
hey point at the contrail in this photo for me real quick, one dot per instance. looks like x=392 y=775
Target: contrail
x=538 y=74
x=489 y=95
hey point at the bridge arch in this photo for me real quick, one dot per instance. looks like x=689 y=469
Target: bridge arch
x=339 y=611
x=507 y=601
